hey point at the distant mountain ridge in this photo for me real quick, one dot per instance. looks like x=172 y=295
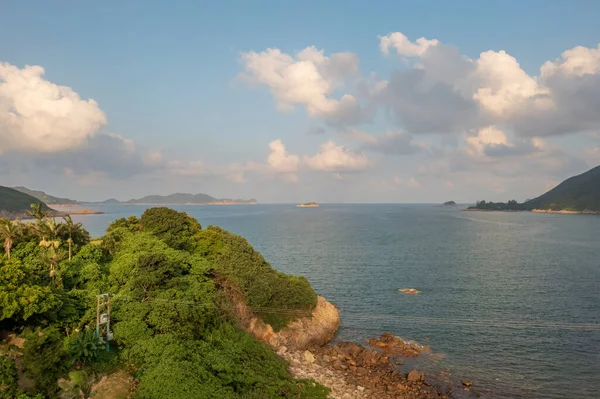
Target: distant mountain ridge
x=14 y=203
x=186 y=198
x=46 y=198
x=578 y=194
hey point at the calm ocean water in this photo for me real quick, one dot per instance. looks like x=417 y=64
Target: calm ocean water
x=510 y=301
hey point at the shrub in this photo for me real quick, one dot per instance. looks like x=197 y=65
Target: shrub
x=176 y=229
x=85 y=346
x=276 y=297
x=8 y=378
x=45 y=359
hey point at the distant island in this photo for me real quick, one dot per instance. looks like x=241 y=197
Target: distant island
x=449 y=203
x=187 y=199
x=578 y=194
x=308 y=205
x=16 y=202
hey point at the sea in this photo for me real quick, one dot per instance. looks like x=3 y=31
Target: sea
x=508 y=301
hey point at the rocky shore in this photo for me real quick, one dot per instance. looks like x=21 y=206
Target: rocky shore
x=350 y=370
x=356 y=371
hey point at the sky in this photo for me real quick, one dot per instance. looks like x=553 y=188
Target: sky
x=337 y=101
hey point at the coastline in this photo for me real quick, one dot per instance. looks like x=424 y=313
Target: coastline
x=559 y=212
x=191 y=203
x=351 y=370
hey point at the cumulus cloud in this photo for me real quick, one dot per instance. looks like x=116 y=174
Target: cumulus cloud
x=39 y=116
x=309 y=78
x=280 y=161
x=337 y=158
x=403 y=45
x=443 y=91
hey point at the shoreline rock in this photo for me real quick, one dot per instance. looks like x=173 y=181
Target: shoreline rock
x=355 y=371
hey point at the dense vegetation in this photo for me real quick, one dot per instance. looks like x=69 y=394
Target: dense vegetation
x=45 y=198
x=579 y=193
x=511 y=205
x=14 y=203
x=174 y=329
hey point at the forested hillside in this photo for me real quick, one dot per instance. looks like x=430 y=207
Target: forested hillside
x=45 y=198
x=14 y=203
x=577 y=194
x=175 y=330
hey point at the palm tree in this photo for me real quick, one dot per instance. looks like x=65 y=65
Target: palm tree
x=36 y=212
x=50 y=229
x=70 y=228
x=52 y=257
x=9 y=231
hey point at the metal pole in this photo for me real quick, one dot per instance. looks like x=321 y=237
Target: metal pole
x=98 y=316
x=108 y=323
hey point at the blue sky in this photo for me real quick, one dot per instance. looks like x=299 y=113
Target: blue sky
x=178 y=115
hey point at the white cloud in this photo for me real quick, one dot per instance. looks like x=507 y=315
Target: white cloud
x=577 y=61
x=309 y=79
x=280 y=161
x=337 y=158
x=39 y=116
x=404 y=46
x=502 y=84
x=446 y=92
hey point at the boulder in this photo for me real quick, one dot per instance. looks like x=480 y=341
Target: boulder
x=416 y=376
x=308 y=357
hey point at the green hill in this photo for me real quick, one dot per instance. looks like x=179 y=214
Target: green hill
x=48 y=199
x=186 y=198
x=14 y=203
x=578 y=193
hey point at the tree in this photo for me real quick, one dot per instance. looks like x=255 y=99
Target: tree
x=9 y=231
x=70 y=229
x=176 y=229
x=8 y=377
x=80 y=385
x=38 y=213
x=45 y=360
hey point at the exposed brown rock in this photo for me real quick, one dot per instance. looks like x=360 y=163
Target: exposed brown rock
x=391 y=344
x=416 y=376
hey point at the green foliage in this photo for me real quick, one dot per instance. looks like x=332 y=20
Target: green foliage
x=78 y=386
x=169 y=313
x=579 y=193
x=45 y=359
x=21 y=296
x=276 y=297
x=15 y=203
x=230 y=364
x=176 y=229
x=85 y=346
x=8 y=378
x=511 y=205
x=132 y=224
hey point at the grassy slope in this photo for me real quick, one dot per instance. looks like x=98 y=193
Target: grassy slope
x=578 y=193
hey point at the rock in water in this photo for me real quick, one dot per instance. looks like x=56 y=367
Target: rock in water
x=409 y=291
x=416 y=376
x=467 y=383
